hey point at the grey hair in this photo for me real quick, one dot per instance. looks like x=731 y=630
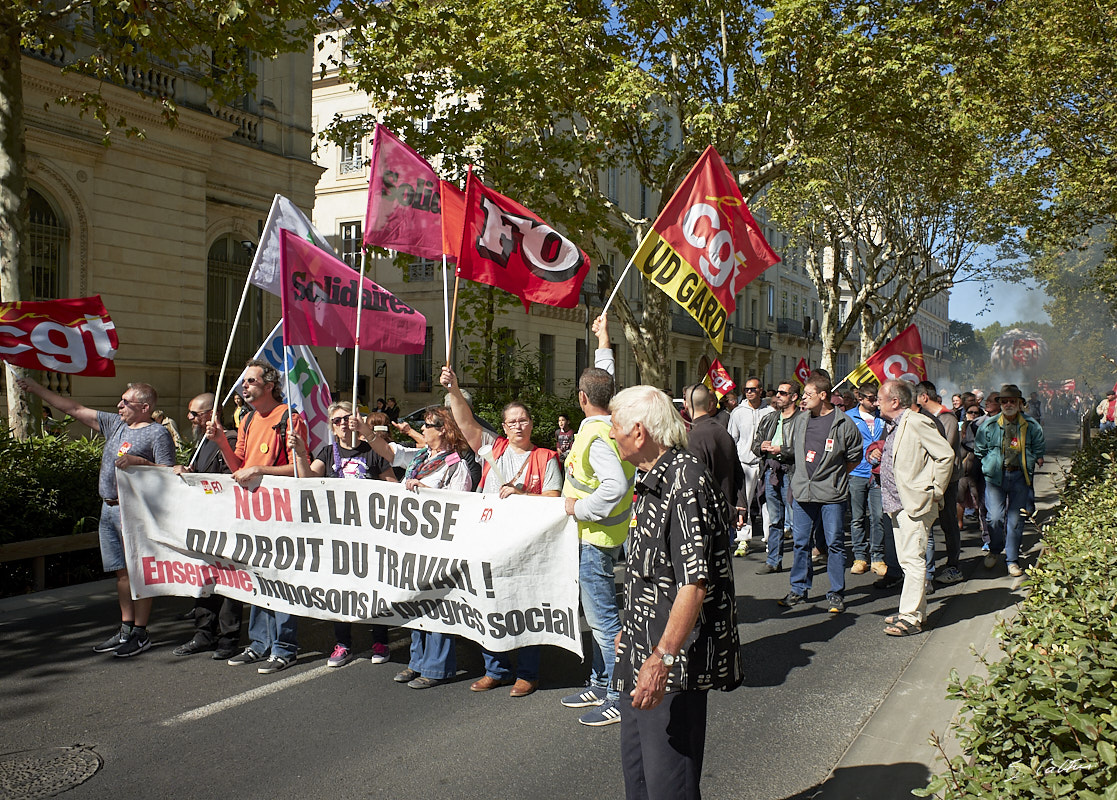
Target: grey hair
x=654 y=410
x=900 y=390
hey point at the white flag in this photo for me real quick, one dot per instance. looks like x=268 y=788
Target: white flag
x=265 y=264
x=310 y=394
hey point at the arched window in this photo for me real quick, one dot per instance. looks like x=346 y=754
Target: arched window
x=226 y=271
x=50 y=247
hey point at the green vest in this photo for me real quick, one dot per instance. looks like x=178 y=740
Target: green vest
x=581 y=482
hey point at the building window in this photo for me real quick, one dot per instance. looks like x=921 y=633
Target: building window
x=226 y=272
x=351 y=244
x=547 y=361
x=680 y=378
x=352 y=157
x=771 y=302
x=611 y=184
x=841 y=364
x=421 y=270
x=49 y=238
x=783 y=304
x=755 y=314
x=419 y=369
x=504 y=347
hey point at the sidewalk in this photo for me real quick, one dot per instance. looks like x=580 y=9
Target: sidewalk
x=893 y=754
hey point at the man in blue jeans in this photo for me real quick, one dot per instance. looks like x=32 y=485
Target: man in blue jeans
x=771 y=435
x=867 y=525
x=1010 y=446
x=598 y=492
x=826 y=446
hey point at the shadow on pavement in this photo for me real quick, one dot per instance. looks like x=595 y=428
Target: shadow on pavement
x=869 y=782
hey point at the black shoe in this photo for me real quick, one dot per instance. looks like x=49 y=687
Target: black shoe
x=791 y=599
x=192 y=648
x=188 y=615
x=835 y=604
x=224 y=653
x=887 y=582
x=768 y=569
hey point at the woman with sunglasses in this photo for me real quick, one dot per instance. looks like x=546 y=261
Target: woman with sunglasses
x=345 y=456
x=439 y=464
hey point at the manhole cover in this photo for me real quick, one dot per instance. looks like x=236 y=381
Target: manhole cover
x=29 y=774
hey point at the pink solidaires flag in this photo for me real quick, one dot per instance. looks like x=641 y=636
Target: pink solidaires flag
x=320 y=304
x=403 y=204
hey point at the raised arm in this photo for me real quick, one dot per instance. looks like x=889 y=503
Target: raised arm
x=67 y=405
x=463 y=414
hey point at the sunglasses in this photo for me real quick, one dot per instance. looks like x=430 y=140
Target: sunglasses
x=437 y=425
x=193 y=414
x=255 y=381
x=752 y=388
x=783 y=394
x=340 y=420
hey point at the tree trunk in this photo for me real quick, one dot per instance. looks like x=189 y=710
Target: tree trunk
x=14 y=222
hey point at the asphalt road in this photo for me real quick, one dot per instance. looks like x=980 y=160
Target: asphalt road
x=192 y=727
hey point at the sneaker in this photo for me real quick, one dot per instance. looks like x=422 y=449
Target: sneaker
x=380 y=653
x=192 y=647
x=136 y=644
x=111 y=644
x=835 y=604
x=950 y=575
x=247 y=656
x=742 y=548
x=880 y=568
x=928 y=588
x=990 y=560
x=791 y=600
x=423 y=682
x=1013 y=570
x=605 y=714
x=275 y=664
x=341 y=656
x=768 y=569
x=985 y=547
x=406 y=675
x=860 y=566
x=592 y=696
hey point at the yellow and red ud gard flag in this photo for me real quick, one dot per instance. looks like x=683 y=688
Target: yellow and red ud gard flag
x=717 y=378
x=705 y=246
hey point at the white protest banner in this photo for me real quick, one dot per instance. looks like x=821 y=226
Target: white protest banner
x=503 y=573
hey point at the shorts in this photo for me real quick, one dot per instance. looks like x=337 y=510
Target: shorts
x=112 y=539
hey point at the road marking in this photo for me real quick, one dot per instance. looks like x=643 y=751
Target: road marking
x=246 y=697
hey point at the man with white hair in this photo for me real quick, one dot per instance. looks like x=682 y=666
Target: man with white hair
x=678 y=637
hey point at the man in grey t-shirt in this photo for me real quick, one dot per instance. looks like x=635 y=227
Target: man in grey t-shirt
x=132 y=439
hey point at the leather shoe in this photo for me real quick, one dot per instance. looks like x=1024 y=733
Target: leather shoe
x=225 y=653
x=191 y=648
x=486 y=683
x=523 y=688
x=768 y=569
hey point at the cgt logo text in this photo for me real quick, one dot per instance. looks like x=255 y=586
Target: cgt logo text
x=212 y=487
x=899 y=366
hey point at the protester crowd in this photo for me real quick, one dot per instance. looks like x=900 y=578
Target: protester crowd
x=675 y=497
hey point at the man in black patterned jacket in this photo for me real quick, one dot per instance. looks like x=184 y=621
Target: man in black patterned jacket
x=678 y=638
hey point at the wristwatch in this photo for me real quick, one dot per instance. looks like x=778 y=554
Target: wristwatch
x=668 y=659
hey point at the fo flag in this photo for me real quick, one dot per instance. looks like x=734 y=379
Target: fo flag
x=320 y=304
x=900 y=358
x=284 y=216
x=507 y=246
x=717 y=378
x=72 y=336
x=705 y=246
x=403 y=204
x=304 y=388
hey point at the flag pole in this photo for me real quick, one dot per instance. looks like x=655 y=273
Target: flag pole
x=617 y=285
x=357 y=333
x=446 y=303
x=287 y=392
x=453 y=314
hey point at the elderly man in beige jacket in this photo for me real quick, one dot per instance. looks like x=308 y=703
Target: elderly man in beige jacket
x=915 y=470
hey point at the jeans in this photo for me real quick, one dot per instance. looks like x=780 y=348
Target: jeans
x=1004 y=505
x=599 y=604
x=432 y=655
x=272 y=633
x=868 y=541
x=804 y=517
x=952 y=535
x=111 y=537
x=499 y=665
x=775 y=497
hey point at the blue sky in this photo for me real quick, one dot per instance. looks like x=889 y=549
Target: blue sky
x=1007 y=302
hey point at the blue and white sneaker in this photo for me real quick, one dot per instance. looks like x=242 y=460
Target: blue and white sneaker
x=592 y=696
x=605 y=714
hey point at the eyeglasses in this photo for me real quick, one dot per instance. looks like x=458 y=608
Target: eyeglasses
x=128 y=402
x=340 y=420
x=193 y=414
x=517 y=423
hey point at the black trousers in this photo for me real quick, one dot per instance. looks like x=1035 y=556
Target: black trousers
x=217 y=621
x=662 y=748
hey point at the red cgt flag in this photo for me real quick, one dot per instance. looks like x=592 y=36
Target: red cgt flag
x=717 y=378
x=403 y=200
x=74 y=336
x=507 y=246
x=900 y=358
x=320 y=304
x=802 y=372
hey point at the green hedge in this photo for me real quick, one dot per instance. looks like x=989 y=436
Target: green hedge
x=1044 y=721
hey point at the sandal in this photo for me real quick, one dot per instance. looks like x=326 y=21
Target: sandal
x=903 y=627
x=891 y=619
